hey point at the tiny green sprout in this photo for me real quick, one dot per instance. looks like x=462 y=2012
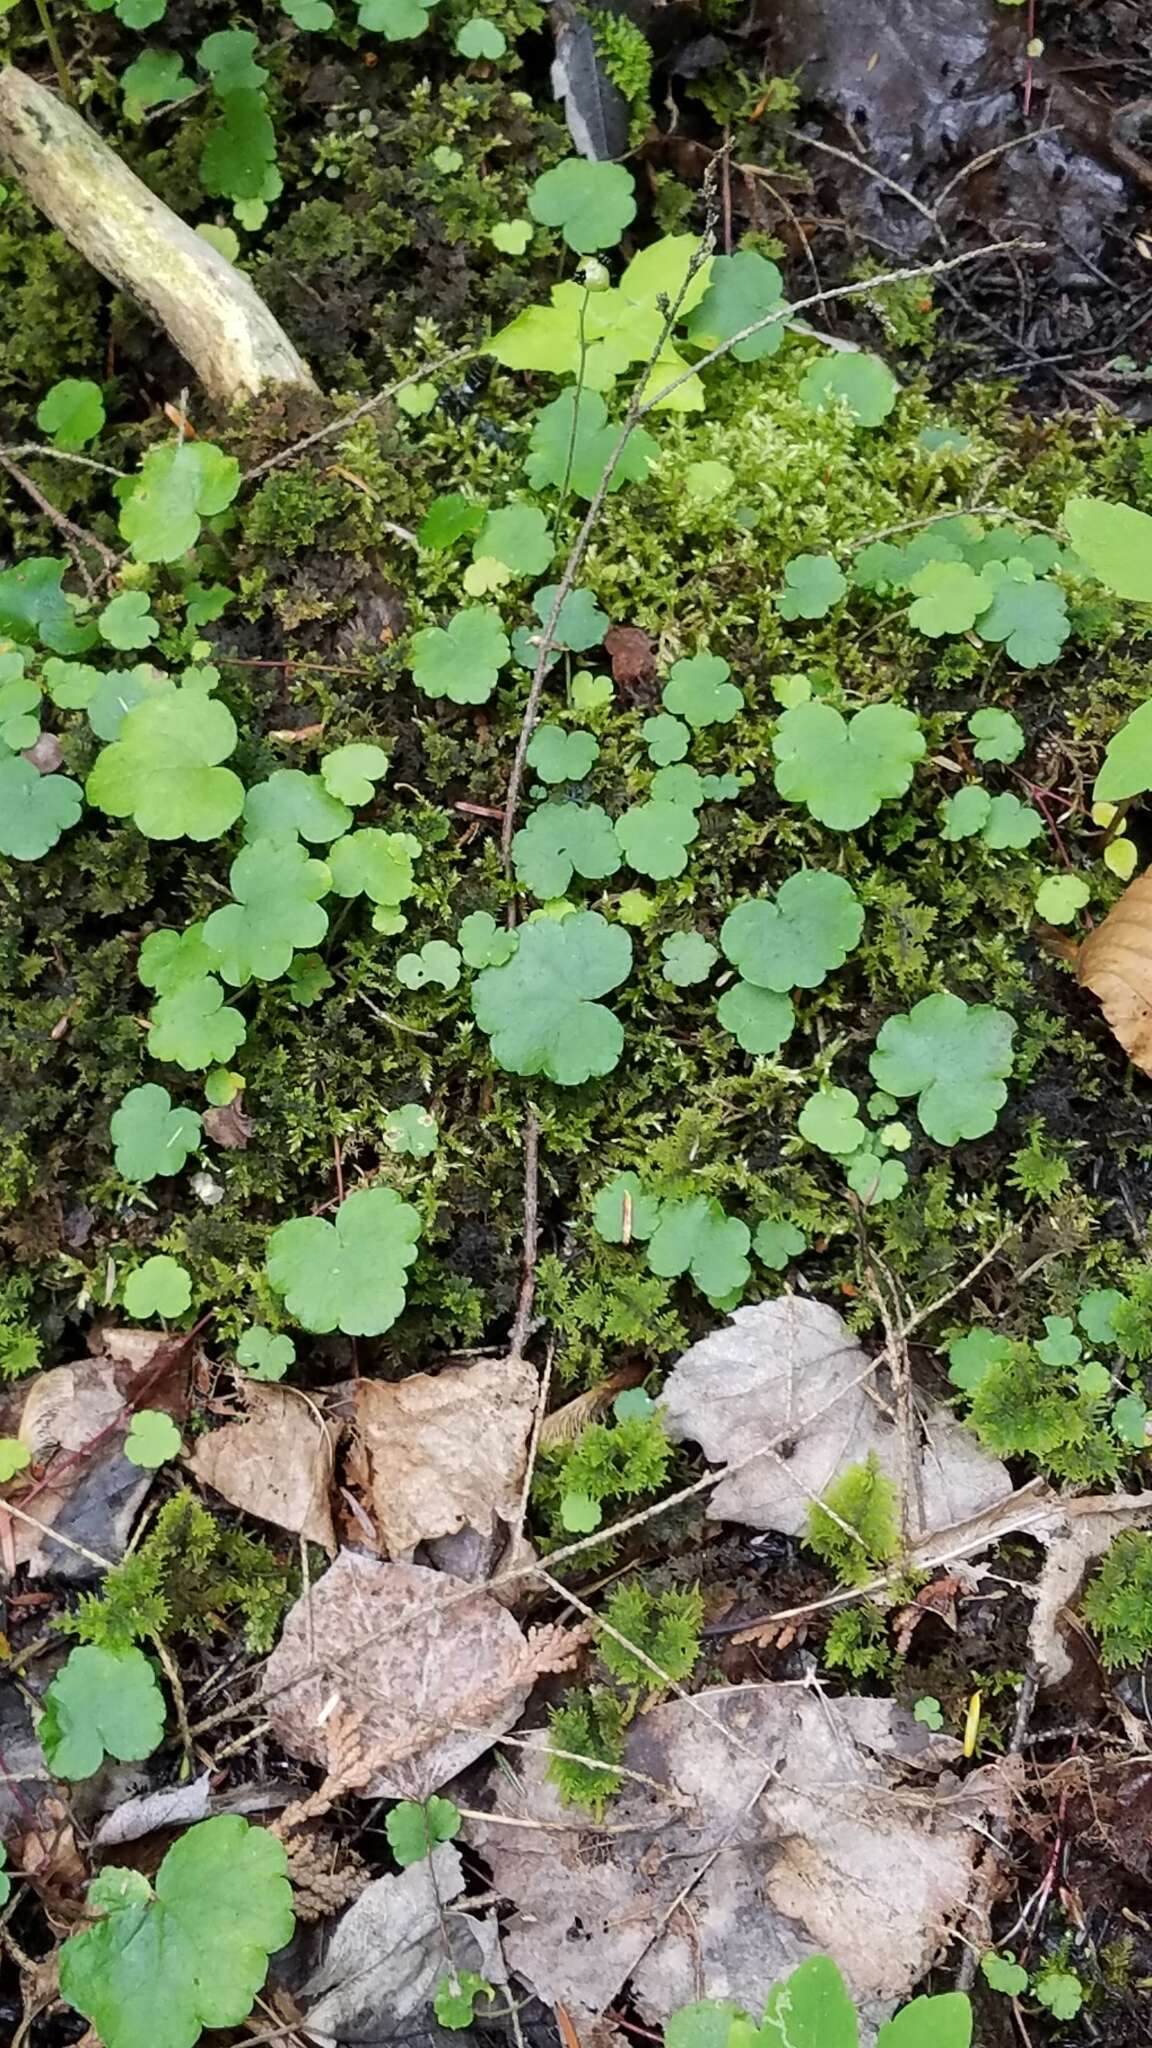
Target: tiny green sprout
x=481 y=38
x=929 y=1712
x=454 y=1999
x=414 y=1830
x=263 y=1355
x=666 y=738
x=484 y=943
x=126 y=621
x=588 y=693
x=873 y=1179
x=759 y=1019
x=412 y=1130
x=417 y=400
x=1060 y=1992
x=152 y=1439
x=813 y=584
x=579 y=1513
x=436 y=961
x=843 y=771
x=160 y=1287
x=1060 y=898
x=14 y=1457
x=635 y=907
x=463 y=659
x=73 y=410
x=955 y=1057
x=698 y=690
x=560 y=756
x=863 y=383
x=688 y=958
x=633 y=1405
x=998 y=736
x=308 y=978
x=590 y=202
x=830 y=1122
x=1004 y=1973
x=777 y=1243
x=512 y=237
x=790 y=690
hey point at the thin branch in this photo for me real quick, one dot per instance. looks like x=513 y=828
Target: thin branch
x=42 y=451
x=522 y=1324
x=75 y=537
x=358 y=412
x=861 y=163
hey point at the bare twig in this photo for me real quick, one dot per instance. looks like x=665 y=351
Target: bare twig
x=76 y=538
x=861 y=163
x=358 y=412
x=523 y=1321
x=44 y=452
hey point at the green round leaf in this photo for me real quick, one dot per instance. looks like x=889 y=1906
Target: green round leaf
x=264 y=1356
x=591 y=203
x=863 y=383
x=813 y=584
x=151 y=1138
x=697 y=1238
x=101 y=1703
x=350 y=1274
x=559 y=756
x=34 y=809
x=160 y=1287
x=350 y=773
x=742 y=289
x=481 y=38
x=573 y=441
x=194 y=1026
x=843 y=771
x=179 y=485
x=562 y=839
x=954 y=1056
x=436 y=961
x=654 y=838
x=411 y=1130
x=276 y=912
x=776 y=1244
x=1115 y=543
x=164 y=771
x=624 y=1211
x=541 y=1009
x=688 y=957
x=758 y=1018
x=795 y=942
x=152 y=1439
x=483 y=942
x=666 y=738
x=463 y=659
x=375 y=864
x=829 y=1120
x=127 y=621
x=73 y=410
x=414 y=1830
x=998 y=736
x=290 y=801
x=698 y=690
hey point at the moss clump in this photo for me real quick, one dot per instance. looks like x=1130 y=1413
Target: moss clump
x=191 y=1577
x=1118 y=1604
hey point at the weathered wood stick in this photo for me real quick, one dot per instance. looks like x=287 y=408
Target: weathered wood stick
x=208 y=308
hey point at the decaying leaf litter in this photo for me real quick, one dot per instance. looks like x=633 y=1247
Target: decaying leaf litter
x=683 y=1634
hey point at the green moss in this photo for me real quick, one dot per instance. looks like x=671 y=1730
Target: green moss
x=192 y=1576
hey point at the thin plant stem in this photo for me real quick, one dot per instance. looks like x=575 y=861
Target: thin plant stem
x=55 y=51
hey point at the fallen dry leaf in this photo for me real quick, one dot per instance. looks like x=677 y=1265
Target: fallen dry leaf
x=446 y=1451
x=435 y=1680
x=275 y=1463
x=1077 y=1532
x=74 y=1420
x=1115 y=962
x=788 y=1373
x=228 y=1126
x=47 y=1856
x=788 y=1867
x=631 y=653
x=388 y=1953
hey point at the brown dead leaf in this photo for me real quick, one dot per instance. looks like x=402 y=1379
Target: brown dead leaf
x=47 y=1856
x=1115 y=962
x=275 y=1463
x=631 y=653
x=939 y=1599
x=1077 y=1533
x=435 y=1679
x=801 y=1815
x=446 y=1451
x=74 y=1420
x=787 y=1376
x=228 y=1126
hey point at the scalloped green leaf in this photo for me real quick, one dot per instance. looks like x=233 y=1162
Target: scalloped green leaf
x=955 y=1057
x=151 y=1138
x=814 y=924
x=562 y=839
x=164 y=770
x=541 y=1009
x=350 y=1274
x=843 y=771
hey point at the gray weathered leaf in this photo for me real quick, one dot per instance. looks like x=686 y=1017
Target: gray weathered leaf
x=596 y=112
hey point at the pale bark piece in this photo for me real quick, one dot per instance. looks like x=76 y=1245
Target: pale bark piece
x=1078 y=1532
x=821 y=1846
x=387 y=1956
x=787 y=1376
x=435 y=1679
x=446 y=1450
x=276 y=1463
x=1115 y=962
x=209 y=308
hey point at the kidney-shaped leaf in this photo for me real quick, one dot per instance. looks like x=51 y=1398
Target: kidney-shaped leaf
x=540 y=1009
x=955 y=1057
x=101 y=1702
x=34 y=809
x=161 y=1966
x=1115 y=542
x=793 y=943
x=276 y=911
x=350 y=1274
x=843 y=771
x=164 y=771
x=179 y=485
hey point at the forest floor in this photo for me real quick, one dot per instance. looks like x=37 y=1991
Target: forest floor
x=575 y=1299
